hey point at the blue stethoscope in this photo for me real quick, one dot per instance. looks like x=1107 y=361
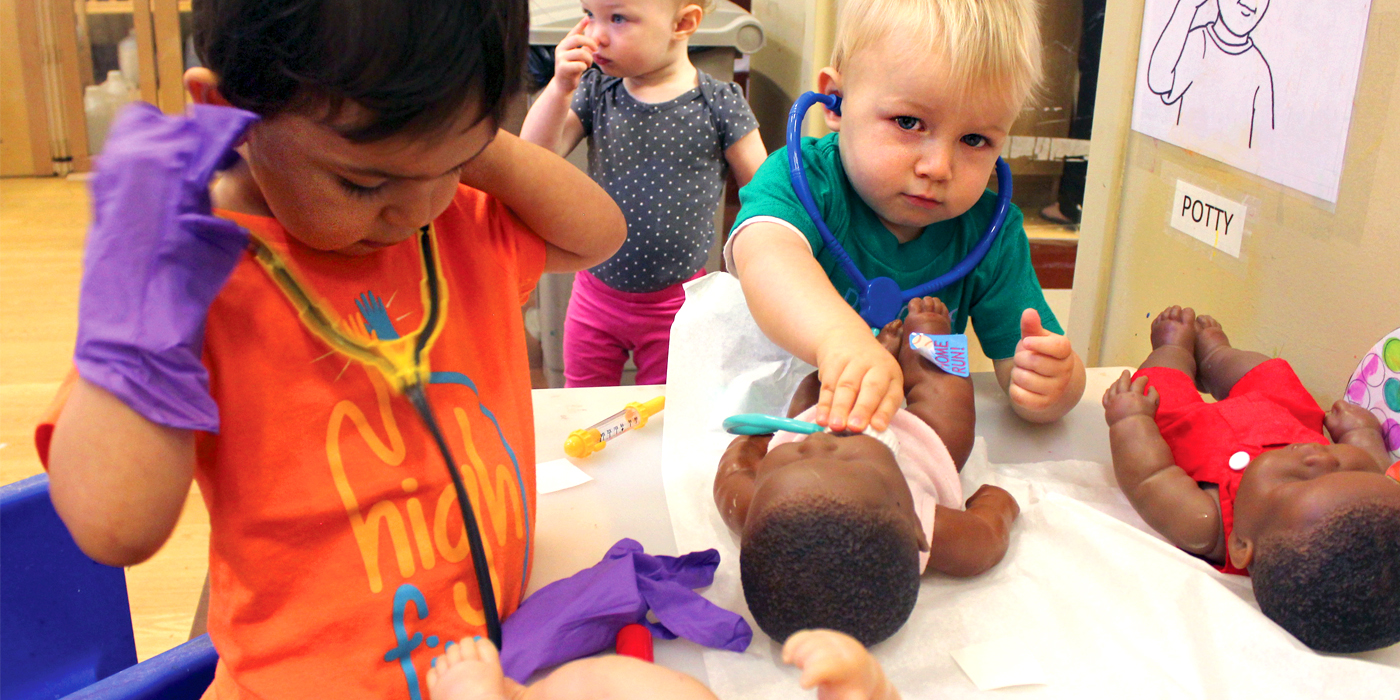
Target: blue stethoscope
x=881 y=299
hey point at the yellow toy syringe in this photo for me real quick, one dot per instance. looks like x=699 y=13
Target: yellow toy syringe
x=584 y=442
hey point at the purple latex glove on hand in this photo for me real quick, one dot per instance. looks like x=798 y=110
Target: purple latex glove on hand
x=581 y=615
x=156 y=257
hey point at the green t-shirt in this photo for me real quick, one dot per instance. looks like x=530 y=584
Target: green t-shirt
x=993 y=295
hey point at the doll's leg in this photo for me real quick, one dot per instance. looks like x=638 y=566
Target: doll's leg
x=1219 y=364
x=471 y=671
x=1174 y=341
x=942 y=400
x=616 y=678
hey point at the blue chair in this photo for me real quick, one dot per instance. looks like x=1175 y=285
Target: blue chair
x=66 y=619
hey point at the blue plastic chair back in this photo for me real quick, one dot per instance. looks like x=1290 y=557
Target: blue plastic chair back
x=66 y=619
x=183 y=673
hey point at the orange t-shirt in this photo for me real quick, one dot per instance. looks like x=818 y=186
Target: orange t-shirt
x=339 y=563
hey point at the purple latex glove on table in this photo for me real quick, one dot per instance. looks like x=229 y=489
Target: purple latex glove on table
x=581 y=615
x=156 y=257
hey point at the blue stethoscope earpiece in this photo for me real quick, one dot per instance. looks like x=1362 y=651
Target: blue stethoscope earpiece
x=881 y=299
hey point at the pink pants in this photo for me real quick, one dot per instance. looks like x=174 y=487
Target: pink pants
x=604 y=324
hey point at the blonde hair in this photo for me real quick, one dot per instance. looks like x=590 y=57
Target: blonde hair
x=983 y=41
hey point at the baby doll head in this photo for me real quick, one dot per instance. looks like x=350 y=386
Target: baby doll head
x=1318 y=527
x=929 y=89
x=831 y=540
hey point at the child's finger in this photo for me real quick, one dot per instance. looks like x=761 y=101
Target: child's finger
x=1049 y=344
x=578 y=28
x=1030 y=324
x=888 y=406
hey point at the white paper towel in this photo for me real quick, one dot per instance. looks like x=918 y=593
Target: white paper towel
x=1111 y=609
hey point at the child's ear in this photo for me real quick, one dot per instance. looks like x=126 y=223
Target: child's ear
x=1240 y=551
x=687 y=21
x=203 y=87
x=829 y=83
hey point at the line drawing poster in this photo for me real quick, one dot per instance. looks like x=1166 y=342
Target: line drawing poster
x=1264 y=87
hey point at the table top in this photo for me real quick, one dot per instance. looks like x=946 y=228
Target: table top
x=576 y=526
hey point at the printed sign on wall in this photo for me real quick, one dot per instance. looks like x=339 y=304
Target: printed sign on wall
x=1208 y=217
x=1264 y=87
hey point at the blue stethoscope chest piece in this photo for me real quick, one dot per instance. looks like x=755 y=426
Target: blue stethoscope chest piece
x=881 y=299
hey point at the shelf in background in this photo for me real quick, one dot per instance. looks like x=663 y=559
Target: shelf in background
x=119 y=7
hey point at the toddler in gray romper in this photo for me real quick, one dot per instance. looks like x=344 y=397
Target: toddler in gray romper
x=664 y=164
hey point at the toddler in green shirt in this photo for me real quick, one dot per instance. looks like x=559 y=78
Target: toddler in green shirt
x=929 y=91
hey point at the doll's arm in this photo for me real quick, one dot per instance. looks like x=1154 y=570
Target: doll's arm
x=1161 y=492
x=733 y=489
x=968 y=542
x=1349 y=424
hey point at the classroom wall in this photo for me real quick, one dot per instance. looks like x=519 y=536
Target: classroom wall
x=1316 y=284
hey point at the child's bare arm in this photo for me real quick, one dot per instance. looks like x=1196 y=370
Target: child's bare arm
x=795 y=305
x=579 y=222
x=968 y=542
x=745 y=156
x=733 y=489
x=1161 y=492
x=550 y=123
x=1349 y=424
x=117 y=480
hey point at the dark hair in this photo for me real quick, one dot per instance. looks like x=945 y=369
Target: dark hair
x=1336 y=587
x=412 y=65
x=823 y=563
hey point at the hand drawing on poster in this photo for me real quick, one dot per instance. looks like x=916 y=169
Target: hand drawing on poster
x=1214 y=74
x=1264 y=87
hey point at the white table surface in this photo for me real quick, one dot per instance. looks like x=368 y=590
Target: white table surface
x=576 y=526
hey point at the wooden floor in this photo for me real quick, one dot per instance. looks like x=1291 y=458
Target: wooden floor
x=42 y=221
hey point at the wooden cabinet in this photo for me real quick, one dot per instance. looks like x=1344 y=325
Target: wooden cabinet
x=52 y=50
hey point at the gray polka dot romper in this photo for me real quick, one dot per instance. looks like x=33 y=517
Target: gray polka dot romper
x=664 y=165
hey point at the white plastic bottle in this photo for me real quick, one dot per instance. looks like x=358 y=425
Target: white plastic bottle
x=101 y=103
x=129 y=60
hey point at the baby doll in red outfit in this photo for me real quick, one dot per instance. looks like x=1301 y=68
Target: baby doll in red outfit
x=1250 y=484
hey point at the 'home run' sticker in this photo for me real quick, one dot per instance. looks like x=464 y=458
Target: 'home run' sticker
x=948 y=352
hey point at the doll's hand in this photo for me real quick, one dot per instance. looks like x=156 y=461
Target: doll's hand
x=1044 y=365
x=1129 y=397
x=573 y=56
x=862 y=384
x=995 y=498
x=838 y=666
x=1347 y=417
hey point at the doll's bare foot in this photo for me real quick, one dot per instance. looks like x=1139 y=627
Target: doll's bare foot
x=928 y=315
x=1210 y=338
x=1218 y=364
x=470 y=671
x=1176 y=325
x=838 y=666
x=1174 y=340
x=891 y=335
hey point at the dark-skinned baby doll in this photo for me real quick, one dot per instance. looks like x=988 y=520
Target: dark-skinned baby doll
x=1250 y=484
x=835 y=530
